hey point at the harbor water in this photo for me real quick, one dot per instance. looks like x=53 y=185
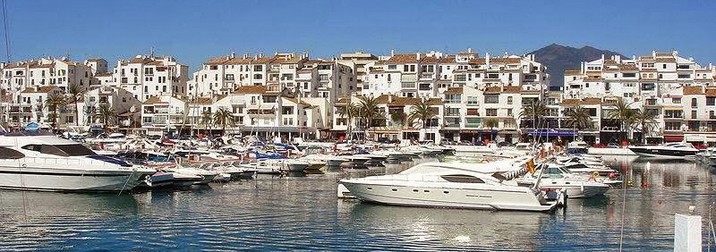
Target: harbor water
x=303 y=213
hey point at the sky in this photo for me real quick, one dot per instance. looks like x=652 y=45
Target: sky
x=193 y=31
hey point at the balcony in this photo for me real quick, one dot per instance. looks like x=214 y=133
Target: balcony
x=426 y=76
x=453 y=101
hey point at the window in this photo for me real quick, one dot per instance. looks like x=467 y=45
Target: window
x=648 y=86
x=492 y=99
x=629 y=75
x=491 y=112
x=710 y=101
x=663 y=66
x=676 y=100
x=694 y=102
x=472 y=100
x=7 y=153
x=392 y=67
x=258 y=76
x=509 y=100
x=509 y=112
x=60 y=150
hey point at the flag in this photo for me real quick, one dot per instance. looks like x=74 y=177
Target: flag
x=531 y=166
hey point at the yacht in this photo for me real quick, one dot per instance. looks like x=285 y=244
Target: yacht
x=453 y=185
x=666 y=151
x=33 y=161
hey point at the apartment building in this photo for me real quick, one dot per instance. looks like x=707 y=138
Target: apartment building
x=671 y=87
x=358 y=62
x=148 y=76
x=61 y=73
x=122 y=102
x=430 y=74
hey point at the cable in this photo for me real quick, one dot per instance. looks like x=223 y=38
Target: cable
x=5 y=30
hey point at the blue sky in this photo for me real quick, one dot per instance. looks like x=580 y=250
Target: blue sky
x=193 y=31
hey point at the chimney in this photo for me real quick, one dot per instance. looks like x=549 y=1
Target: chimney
x=392 y=53
x=417 y=56
x=233 y=55
x=390 y=98
x=653 y=54
x=469 y=50
x=487 y=58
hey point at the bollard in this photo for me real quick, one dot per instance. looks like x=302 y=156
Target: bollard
x=687 y=233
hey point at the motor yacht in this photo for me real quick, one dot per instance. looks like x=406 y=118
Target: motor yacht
x=453 y=185
x=33 y=161
x=666 y=151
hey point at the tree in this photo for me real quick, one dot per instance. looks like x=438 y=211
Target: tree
x=646 y=121
x=224 y=118
x=349 y=112
x=492 y=123
x=623 y=114
x=398 y=118
x=53 y=103
x=421 y=112
x=106 y=114
x=535 y=110
x=369 y=110
x=578 y=118
x=206 y=119
x=75 y=92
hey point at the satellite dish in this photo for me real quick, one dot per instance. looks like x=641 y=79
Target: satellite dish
x=132 y=109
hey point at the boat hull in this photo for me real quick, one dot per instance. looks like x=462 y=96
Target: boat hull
x=69 y=180
x=662 y=153
x=444 y=197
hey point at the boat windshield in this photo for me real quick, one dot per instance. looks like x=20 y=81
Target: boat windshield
x=65 y=150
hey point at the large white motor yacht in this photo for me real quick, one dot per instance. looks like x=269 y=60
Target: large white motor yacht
x=452 y=185
x=29 y=161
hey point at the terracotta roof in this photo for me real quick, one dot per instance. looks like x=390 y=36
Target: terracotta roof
x=203 y=101
x=693 y=90
x=403 y=101
x=430 y=60
x=250 y=90
x=512 y=89
x=454 y=90
x=591 y=101
x=403 y=58
x=36 y=65
x=383 y=99
x=628 y=67
x=571 y=102
x=477 y=61
x=666 y=60
x=153 y=100
x=435 y=101
x=711 y=92
x=141 y=60
x=505 y=60
x=343 y=100
x=43 y=89
x=662 y=54
x=262 y=60
x=572 y=72
x=492 y=90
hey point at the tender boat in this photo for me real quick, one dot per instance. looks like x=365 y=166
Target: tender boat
x=577 y=186
x=666 y=151
x=453 y=185
x=32 y=161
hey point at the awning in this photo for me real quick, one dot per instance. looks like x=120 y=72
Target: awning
x=551 y=132
x=673 y=138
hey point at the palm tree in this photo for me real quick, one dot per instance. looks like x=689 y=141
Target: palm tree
x=535 y=110
x=75 y=91
x=646 y=121
x=421 y=112
x=398 y=118
x=223 y=117
x=348 y=112
x=206 y=119
x=578 y=118
x=106 y=114
x=624 y=114
x=491 y=123
x=369 y=111
x=53 y=103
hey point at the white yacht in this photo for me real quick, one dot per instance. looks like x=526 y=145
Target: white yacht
x=452 y=185
x=666 y=151
x=30 y=161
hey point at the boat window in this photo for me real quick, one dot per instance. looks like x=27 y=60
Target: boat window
x=7 y=153
x=60 y=150
x=415 y=190
x=462 y=179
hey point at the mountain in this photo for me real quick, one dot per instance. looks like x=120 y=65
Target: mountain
x=558 y=58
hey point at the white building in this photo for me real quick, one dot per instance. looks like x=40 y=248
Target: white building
x=147 y=76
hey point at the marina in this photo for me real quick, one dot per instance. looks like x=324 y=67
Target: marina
x=304 y=213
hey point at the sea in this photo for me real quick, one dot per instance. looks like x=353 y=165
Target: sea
x=303 y=213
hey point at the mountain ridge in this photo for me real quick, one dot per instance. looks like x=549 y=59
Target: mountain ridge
x=558 y=58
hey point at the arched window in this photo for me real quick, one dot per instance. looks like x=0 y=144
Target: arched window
x=693 y=102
